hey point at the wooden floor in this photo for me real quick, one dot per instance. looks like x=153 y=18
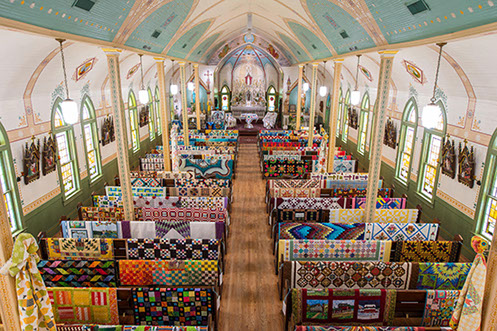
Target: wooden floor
x=250 y=297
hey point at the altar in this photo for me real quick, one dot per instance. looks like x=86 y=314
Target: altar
x=239 y=110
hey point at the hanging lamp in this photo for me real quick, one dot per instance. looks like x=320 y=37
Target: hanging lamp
x=69 y=107
x=173 y=88
x=355 y=95
x=142 y=93
x=431 y=112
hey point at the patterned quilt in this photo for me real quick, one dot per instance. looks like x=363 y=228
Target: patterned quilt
x=67 y=273
x=382 y=203
x=172 y=249
x=381 y=215
x=79 y=249
x=427 y=251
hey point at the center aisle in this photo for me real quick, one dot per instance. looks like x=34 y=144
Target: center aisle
x=250 y=296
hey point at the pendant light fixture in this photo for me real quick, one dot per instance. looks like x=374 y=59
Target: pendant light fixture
x=173 y=88
x=142 y=94
x=68 y=106
x=355 y=96
x=323 y=90
x=431 y=112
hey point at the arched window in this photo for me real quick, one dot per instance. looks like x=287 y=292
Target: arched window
x=90 y=137
x=345 y=109
x=151 y=115
x=363 y=124
x=158 y=119
x=405 y=151
x=340 y=112
x=66 y=148
x=430 y=154
x=9 y=183
x=133 y=122
x=487 y=201
x=225 y=98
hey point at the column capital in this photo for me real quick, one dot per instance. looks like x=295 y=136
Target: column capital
x=195 y=65
x=338 y=60
x=182 y=63
x=388 y=53
x=301 y=65
x=315 y=64
x=159 y=59
x=111 y=51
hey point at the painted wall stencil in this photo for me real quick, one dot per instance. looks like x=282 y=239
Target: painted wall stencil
x=84 y=68
x=366 y=73
x=390 y=138
x=31 y=161
x=107 y=131
x=133 y=71
x=415 y=72
x=466 y=160
x=49 y=160
x=448 y=158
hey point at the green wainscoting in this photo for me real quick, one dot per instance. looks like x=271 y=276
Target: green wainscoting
x=452 y=220
x=46 y=217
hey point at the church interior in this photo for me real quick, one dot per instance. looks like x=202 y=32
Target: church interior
x=215 y=165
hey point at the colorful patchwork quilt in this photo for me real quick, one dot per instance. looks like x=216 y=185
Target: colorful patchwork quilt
x=441 y=276
x=202 y=183
x=221 y=169
x=346 y=184
x=381 y=215
x=382 y=203
x=146 y=182
x=293 y=183
x=176 y=175
x=63 y=273
x=279 y=168
x=309 y=203
x=80 y=249
x=349 y=275
x=107 y=214
x=185 y=214
x=439 y=307
x=90 y=229
x=199 y=192
x=336 y=250
x=170 y=306
x=427 y=251
x=168 y=273
x=344 y=166
x=330 y=231
x=402 y=231
x=341 y=176
x=154 y=202
x=103 y=201
x=84 y=305
x=172 y=249
x=364 y=306
x=159 y=192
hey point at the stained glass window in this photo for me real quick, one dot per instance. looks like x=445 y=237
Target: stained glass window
x=225 y=98
x=158 y=119
x=406 y=143
x=271 y=99
x=9 y=185
x=151 y=115
x=90 y=136
x=66 y=148
x=429 y=165
x=133 y=122
x=345 y=110
x=339 y=117
x=363 y=126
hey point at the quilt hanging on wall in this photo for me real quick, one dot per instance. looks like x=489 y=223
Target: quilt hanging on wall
x=84 y=305
x=172 y=249
x=64 y=273
x=170 y=306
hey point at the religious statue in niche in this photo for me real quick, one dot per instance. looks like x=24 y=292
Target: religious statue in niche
x=144 y=116
x=107 y=131
x=49 y=155
x=321 y=107
x=353 y=118
x=466 y=165
x=31 y=161
x=449 y=158
x=390 y=138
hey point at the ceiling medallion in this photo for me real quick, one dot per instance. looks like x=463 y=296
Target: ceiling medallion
x=249 y=38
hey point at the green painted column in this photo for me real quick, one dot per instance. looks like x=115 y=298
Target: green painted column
x=314 y=91
x=161 y=77
x=183 y=103
x=120 y=131
x=378 y=132
x=334 y=113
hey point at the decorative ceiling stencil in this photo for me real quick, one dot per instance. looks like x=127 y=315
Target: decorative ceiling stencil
x=185 y=43
x=102 y=21
x=314 y=45
x=343 y=31
x=295 y=48
x=159 y=28
x=399 y=24
x=199 y=52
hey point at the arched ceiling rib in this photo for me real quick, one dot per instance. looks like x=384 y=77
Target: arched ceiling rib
x=302 y=30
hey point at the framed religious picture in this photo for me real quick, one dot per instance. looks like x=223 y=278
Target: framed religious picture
x=448 y=158
x=49 y=155
x=292 y=109
x=144 y=116
x=107 y=131
x=31 y=161
x=466 y=160
x=353 y=118
x=390 y=138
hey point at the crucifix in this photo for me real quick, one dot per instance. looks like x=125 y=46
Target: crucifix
x=208 y=81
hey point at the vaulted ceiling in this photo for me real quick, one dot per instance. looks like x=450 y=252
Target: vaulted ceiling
x=296 y=30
